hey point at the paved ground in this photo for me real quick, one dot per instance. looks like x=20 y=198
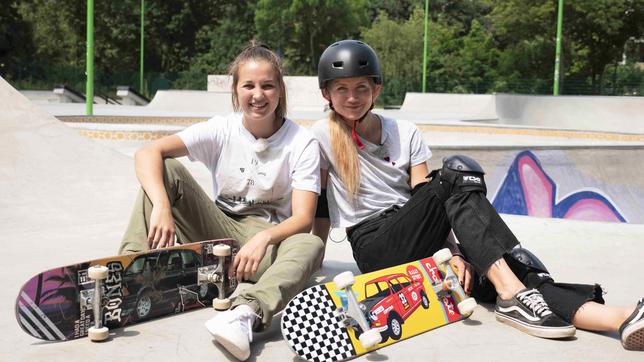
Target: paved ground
x=64 y=198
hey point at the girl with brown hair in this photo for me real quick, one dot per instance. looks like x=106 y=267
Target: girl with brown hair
x=265 y=176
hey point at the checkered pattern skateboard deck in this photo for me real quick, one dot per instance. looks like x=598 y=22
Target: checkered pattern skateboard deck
x=399 y=302
x=312 y=328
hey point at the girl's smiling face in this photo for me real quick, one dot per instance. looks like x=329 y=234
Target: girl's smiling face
x=352 y=97
x=258 y=91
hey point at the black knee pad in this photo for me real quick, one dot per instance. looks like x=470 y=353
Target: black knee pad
x=528 y=258
x=462 y=163
x=463 y=174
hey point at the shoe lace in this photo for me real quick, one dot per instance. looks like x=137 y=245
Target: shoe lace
x=534 y=300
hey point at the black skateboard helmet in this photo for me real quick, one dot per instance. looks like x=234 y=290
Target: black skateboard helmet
x=346 y=59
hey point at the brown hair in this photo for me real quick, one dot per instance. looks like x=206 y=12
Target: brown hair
x=256 y=52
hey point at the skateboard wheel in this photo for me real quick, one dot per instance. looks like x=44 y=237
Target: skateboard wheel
x=221 y=250
x=370 y=338
x=466 y=306
x=221 y=304
x=97 y=272
x=442 y=256
x=344 y=280
x=97 y=334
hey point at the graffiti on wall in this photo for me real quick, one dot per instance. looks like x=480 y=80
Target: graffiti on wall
x=528 y=190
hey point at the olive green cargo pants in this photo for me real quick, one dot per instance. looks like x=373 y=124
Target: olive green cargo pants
x=282 y=273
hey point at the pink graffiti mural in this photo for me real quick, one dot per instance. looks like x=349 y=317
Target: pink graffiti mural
x=528 y=190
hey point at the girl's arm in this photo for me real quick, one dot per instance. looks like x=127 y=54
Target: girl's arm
x=148 y=162
x=418 y=174
x=248 y=259
x=322 y=224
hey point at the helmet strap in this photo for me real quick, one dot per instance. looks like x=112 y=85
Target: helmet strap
x=354 y=135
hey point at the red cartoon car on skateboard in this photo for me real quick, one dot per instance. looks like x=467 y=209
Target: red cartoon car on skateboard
x=390 y=300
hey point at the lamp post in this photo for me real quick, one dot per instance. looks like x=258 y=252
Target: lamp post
x=89 y=71
x=425 y=40
x=555 y=89
x=141 y=90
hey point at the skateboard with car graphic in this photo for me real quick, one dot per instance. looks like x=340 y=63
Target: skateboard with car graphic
x=89 y=298
x=354 y=315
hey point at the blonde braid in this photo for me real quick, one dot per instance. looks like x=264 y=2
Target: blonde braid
x=345 y=154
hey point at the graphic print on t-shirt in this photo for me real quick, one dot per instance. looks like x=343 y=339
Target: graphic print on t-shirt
x=251 y=183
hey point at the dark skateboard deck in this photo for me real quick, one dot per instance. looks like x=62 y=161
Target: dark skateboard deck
x=56 y=304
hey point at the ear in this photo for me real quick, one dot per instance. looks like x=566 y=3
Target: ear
x=376 y=92
x=325 y=94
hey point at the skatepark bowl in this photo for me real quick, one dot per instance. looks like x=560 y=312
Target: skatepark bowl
x=565 y=173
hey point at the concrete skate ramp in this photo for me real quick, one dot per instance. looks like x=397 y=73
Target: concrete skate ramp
x=192 y=101
x=588 y=113
x=443 y=106
x=580 y=183
x=62 y=197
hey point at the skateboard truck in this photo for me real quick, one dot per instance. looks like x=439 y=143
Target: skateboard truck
x=450 y=282
x=369 y=337
x=216 y=275
x=97 y=273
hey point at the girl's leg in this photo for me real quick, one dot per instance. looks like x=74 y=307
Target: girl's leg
x=628 y=322
x=505 y=282
x=597 y=317
x=195 y=215
x=282 y=274
x=485 y=239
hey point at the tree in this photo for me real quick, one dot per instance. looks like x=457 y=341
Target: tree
x=455 y=63
x=218 y=43
x=599 y=30
x=474 y=66
x=594 y=35
x=396 y=10
x=301 y=29
x=15 y=39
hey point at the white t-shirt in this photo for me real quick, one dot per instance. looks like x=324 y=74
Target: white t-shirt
x=384 y=171
x=246 y=182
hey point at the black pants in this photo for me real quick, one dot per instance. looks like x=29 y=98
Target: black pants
x=420 y=227
x=564 y=299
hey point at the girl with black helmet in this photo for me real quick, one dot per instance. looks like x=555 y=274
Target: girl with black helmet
x=375 y=173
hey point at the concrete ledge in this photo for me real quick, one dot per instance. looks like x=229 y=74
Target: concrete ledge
x=131 y=97
x=590 y=113
x=451 y=106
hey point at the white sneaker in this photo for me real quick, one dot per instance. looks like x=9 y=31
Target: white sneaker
x=233 y=329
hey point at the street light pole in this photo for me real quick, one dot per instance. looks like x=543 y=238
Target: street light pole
x=555 y=90
x=425 y=40
x=89 y=71
x=141 y=90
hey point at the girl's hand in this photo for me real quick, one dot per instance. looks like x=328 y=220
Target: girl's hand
x=249 y=256
x=162 y=230
x=464 y=272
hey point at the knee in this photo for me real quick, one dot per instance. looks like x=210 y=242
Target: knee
x=308 y=244
x=464 y=174
x=462 y=163
x=314 y=243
